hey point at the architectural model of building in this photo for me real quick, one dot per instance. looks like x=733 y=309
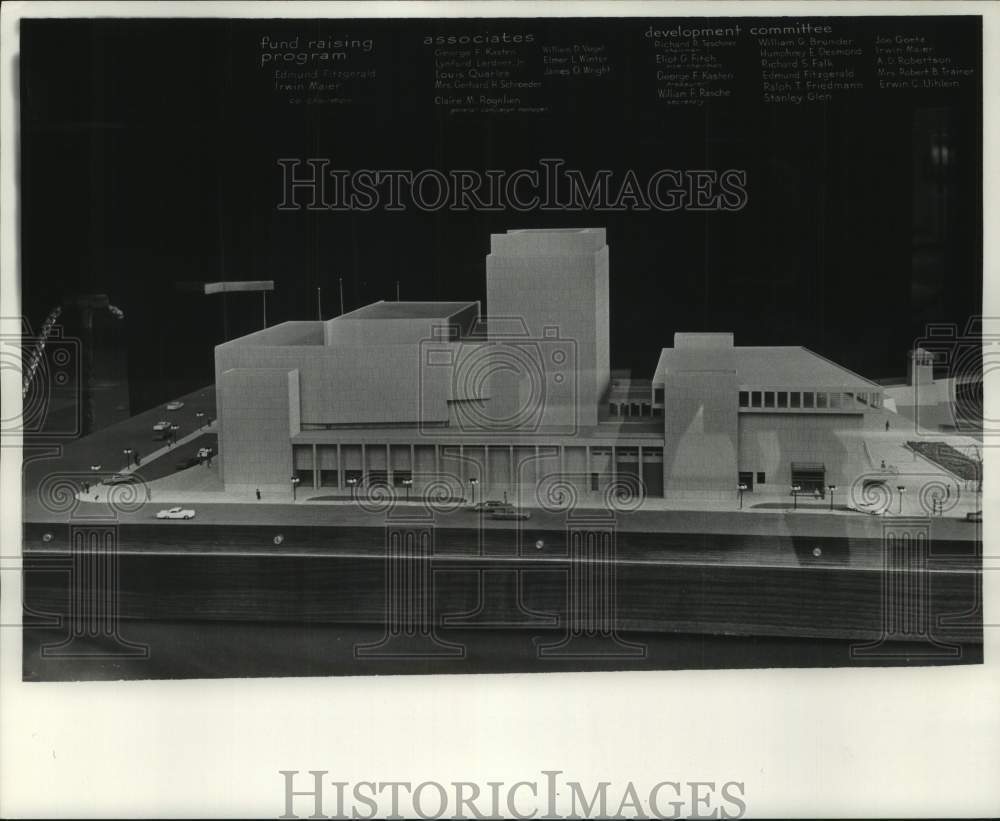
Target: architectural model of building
x=432 y=395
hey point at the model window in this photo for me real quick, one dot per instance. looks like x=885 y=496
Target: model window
x=613 y=408
x=834 y=400
x=755 y=399
x=769 y=399
x=794 y=398
x=657 y=411
x=807 y=399
x=645 y=409
x=782 y=399
x=760 y=477
x=820 y=400
x=658 y=396
x=744 y=399
x=594 y=481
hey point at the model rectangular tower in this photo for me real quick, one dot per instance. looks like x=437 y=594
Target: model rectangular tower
x=556 y=281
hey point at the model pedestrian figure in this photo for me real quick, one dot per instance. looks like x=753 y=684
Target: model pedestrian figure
x=258 y=494
x=887 y=424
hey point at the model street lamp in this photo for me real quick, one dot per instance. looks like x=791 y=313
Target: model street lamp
x=901 y=490
x=741 y=489
x=200 y=416
x=128 y=457
x=295 y=483
x=796 y=489
x=832 y=489
x=473 y=481
x=352 y=483
x=407 y=483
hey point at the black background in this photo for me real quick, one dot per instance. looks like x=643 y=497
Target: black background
x=149 y=148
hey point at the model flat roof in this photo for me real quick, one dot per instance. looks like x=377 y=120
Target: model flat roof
x=293 y=333
x=548 y=242
x=408 y=310
x=791 y=366
x=227 y=287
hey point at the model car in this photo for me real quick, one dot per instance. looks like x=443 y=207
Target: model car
x=204 y=453
x=509 y=513
x=176 y=513
x=116 y=479
x=870 y=508
x=163 y=424
x=487 y=506
x=171 y=406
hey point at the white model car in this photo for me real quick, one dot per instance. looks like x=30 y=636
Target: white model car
x=205 y=453
x=509 y=513
x=176 y=513
x=116 y=479
x=161 y=425
x=175 y=405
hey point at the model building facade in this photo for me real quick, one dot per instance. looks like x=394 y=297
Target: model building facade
x=435 y=397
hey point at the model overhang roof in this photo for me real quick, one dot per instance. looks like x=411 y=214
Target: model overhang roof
x=791 y=366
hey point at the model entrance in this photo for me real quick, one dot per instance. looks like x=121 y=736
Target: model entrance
x=809 y=477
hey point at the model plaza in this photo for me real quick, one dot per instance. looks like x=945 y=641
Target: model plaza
x=434 y=398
